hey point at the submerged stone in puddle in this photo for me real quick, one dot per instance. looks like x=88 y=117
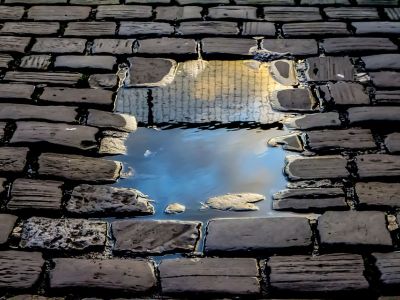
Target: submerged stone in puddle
x=284 y=72
x=175 y=208
x=290 y=142
x=237 y=202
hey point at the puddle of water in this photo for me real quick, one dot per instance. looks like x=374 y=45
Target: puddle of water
x=191 y=165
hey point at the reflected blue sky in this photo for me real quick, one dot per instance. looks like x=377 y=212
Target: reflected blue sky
x=190 y=165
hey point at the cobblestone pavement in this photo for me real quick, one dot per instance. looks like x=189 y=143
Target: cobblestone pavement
x=61 y=235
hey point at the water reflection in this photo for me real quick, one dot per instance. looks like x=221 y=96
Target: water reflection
x=190 y=165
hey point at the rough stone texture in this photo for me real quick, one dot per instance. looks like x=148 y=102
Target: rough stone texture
x=258 y=29
x=385 y=79
x=312 y=121
x=354 y=229
x=5 y=60
x=310 y=199
x=175 y=208
x=84 y=62
x=388 y=265
x=315 y=29
x=7 y=223
x=63 y=234
x=294 y=100
x=34 y=28
x=79 y=96
x=385 y=28
x=358 y=44
x=93 y=199
x=12 y=159
x=284 y=72
x=353 y=13
x=16 y=91
x=62 y=78
x=90 y=29
x=20 y=270
x=35 y=194
x=123 y=12
x=330 y=68
x=59 y=45
x=387 y=96
x=40 y=62
x=119 y=275
x=208 y=28
x=290 y=142
x=237 y=276
x=378 y=194
x=344 y=93
x=257 y=234
x=382 y=61
x=74 y=136
x=142 y=28
x=378 y=165
x=232 y=12
x=59 y=13
x=317 y=274
x=354 y=138
x=292 y=46
x=105 y=119
x=35 y=112
x=80 y=168
x=150 y=71
x=113 y=46
x=235 y=202
x=291 y=14
x=320 y=167
x=113 y=145
x=97 y=81
x=155 y=237
x=392 y=142
x=14 y=43
x=367 y=114
x=173 y=13
x=229 y=46
x=11 y=12
x=167 y=45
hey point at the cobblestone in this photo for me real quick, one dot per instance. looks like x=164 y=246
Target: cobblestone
x=6 y=226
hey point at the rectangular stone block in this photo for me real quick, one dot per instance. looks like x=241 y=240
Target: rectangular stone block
x=20 y=270
x=90 y=29
x=44 y=77
x=63 y=234
x=258 y=29
x=385 y=79
x=113 y=46
x=208 y=28
x=291 y=14
x=145 y=28
x=229 y=46
x=173 y=13
x=58 y=13
x=79 y=168
x=13 y=159
x=354 y=229
x=315 y=29
x=38 y=62
x=118 y=275
x=352 y=13
x=14 y=43
x=167 y=46
x=358 y=44
x=378 y=165
x=330 y=69
x=121 y=12
x=388 y=265
x=383 y=28
x=5 y=60
x=155 y=237
x=79 y=96
x=11 y=12
x=378 y=194
x=257 y=234
x=382 y=61
x=232 y=12
x=7 y=223
x=35 y=194
x=59 y=45
x=292 y=46
x=364 y=114
x=237 y=276
x=34 y=28
x=344 y=93
x=86 y=62
x=104 y=119
x=312 y=121
x=317 y=274
x=16 y=91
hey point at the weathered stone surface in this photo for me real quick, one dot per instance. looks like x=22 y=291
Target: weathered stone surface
x=237 y=276
x=35 y=194
x=106 y=119
x=74 y=136
x=291 y=14
x=208 y=28
x=294 y=100
x=167 y=45
x=385 y=27
x=63 y=234
x=365 y=114
x=236 y=202
x=309 y=199
x=141 y=28
x=5 y=60
x=35 y=1
x=59 y=13
x=353 y=13
x=232 y=12
x=258 y=29
x=101 y=199
x=377 y=2
x=393 y=13
x=358 y=44
x=113 y=145
x=20 y=270
x=175 y=208
x=387 y=96
x=7 y=223
x=354 y=138
x=378 y=194
x=12 y=159
x=90 y=29
x=382 y=61
x=11 y=12
x=79 y=96
x=80 y=168
x=114 y=46
x=14 y=43
x=44 y=77
x=35 y=28
x=317 y=274
x=16 y=91
x=312 y=121
x=229 y=46
x=173 y=13
x=353 y=228
x=86 y=62
x=59 y=45
x=35 y=112
x=155 y=237
x=95 y=2
x=392 y=142
x=345 y=93
x=385 y=79
x=388 y=265
x=284 y=72
x=119 y=275
x=103 y=81
x=319 y=167
x=330 y=68
x=34 y=297
x=257 y=234
x=121 y=12
x=315 y=29
x=292 y=46
x=40 y=62
x=150 y=71
x=290 y=142
x=378 y=165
